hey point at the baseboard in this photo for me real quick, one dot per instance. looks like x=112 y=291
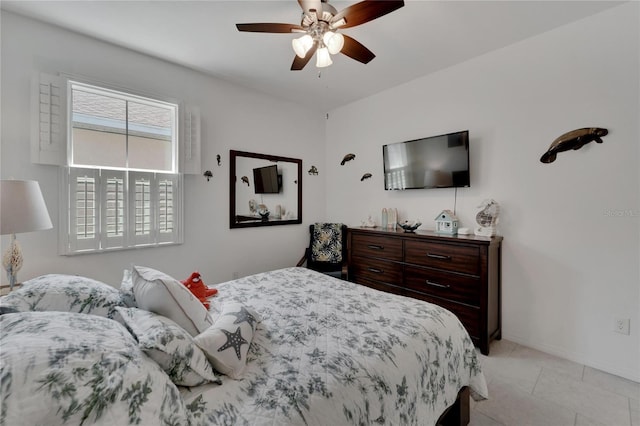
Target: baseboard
x=575 y=357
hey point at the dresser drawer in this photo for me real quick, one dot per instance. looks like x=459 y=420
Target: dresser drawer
x=457 y=258
x=469 y=316
x=460 y=288
x=380 y=247
x=377 y=270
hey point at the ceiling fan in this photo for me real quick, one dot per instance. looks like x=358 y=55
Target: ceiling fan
x=318 y=25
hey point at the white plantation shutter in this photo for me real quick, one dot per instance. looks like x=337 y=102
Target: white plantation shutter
x=142 y=198
x=84 y=210
x=111 y=209
x=168 y=207
x=190 y=160
x=114 y=206
x=48 y=119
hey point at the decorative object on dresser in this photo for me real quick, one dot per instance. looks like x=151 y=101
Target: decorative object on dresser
x=487 y=218
x=393 y=218
x=389 y=218
x=410 y=226
x=369 y=223
x=447 y=223
x=459 y=273
x=22 y=210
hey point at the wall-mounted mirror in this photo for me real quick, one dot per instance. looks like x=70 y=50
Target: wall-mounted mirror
x=264 y=190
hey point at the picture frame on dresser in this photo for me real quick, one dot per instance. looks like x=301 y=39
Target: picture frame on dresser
x=461 y=273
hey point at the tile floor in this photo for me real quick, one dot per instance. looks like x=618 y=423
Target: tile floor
x=529 y=387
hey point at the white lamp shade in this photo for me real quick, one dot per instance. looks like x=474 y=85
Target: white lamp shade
x=323 y=58
x=22 y=207
x=333 y=41
x=302 y=45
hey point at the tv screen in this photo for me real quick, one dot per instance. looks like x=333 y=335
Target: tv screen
x=432 y=162
x=266 y=180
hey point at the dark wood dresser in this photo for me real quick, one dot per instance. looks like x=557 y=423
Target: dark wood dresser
x=460 y=273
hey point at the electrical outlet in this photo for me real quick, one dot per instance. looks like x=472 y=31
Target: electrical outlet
x=621 y=325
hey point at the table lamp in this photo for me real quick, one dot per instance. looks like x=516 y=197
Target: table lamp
x=22 y=209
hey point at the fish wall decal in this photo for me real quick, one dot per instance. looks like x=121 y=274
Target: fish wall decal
x=365 y=176
x=574 y=139
x=346 y=158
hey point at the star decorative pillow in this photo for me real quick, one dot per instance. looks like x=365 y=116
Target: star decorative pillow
x=227 y=341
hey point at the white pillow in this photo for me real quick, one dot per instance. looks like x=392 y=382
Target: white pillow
x=169 y=345
x=72 y=368
x=66 y=293
x=126 y=289
x=227 y=342
x=157 y=292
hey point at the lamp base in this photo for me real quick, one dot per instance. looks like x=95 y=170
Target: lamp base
x=12 y=261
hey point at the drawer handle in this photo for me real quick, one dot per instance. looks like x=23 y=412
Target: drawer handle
x=438 y=256
x=375 y=247
x=434 y=284
x=377 y=271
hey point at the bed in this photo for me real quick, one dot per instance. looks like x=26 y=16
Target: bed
x=300 y=348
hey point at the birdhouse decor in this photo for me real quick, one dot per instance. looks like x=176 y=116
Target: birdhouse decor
x=446 y=223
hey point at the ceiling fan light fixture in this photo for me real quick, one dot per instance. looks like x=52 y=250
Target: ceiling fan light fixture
x=323 y=58
x=302 y=45
x=319 y=24
x=340 y=22
x=333 y=41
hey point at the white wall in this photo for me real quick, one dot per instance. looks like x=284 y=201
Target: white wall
x=569 y=266
x=232 y=118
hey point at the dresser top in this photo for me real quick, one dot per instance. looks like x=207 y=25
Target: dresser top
x=420 y=234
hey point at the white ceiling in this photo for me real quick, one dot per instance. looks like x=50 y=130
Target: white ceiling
x=418 y=39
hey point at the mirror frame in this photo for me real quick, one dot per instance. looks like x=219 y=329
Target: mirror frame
x=233 y=223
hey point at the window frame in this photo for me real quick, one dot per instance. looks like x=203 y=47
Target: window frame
x=69 y=243
x=129 y=96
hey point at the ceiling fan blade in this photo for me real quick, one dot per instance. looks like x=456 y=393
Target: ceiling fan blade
x=269 y=28
x=299 y=63
x=366 y=11
x=308 y=5
x=356 y=50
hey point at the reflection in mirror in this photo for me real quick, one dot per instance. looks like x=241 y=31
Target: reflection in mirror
x=264 y=190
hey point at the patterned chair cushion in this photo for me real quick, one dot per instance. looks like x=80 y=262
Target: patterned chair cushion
x=327 y=243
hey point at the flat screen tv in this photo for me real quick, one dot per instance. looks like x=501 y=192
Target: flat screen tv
x=432 y=162
x=266 y=180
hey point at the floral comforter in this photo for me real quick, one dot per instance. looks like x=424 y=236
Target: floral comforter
x=325 y=352
x=330 y=352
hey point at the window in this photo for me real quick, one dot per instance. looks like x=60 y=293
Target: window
x=122 y=182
